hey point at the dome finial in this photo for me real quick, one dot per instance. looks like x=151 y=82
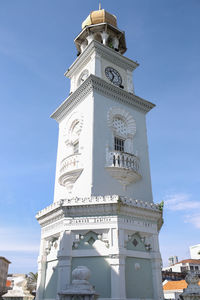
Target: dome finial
x=99 y=5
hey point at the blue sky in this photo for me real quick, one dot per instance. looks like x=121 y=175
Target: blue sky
x=36 y=49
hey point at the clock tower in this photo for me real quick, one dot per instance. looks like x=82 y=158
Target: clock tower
x=103 y=216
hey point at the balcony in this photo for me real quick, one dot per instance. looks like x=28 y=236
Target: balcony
x=70 y=169
x=123 y=166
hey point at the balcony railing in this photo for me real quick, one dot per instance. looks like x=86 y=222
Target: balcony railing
x=70 y=170
x=124 y=167
x=123 y=160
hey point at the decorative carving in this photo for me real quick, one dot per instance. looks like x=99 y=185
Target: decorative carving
x=123 y=167
x=98 y=200
x=80 y=287
x=70 y=169
x=52 y=242
x=95 y=83
x=192 y=292
x=19 y=289
x=70 y=166
x=86 y=241
x=135 y=242
x=137 y=266
x=73 y=127
x=105 y=52
x=84 y=75
x=117 y=112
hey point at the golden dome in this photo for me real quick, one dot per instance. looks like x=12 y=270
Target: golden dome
x=100 y=16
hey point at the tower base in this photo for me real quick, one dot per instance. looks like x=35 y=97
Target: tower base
x=115 y=237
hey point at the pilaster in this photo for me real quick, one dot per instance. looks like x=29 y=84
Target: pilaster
x=117 y=263
x=156 y=277
x=42 y=262
x=64 y=261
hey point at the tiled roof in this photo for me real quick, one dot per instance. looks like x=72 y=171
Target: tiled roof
x=175 y=285
x=191 y=261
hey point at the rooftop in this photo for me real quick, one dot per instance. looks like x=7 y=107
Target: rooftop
x=3 y=258
x=175 y=285
x=190 y=261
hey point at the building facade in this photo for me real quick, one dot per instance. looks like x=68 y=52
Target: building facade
x=195 y=251
x=103 y=216
x=185 y=266
x=172 y=260
x=4 y=264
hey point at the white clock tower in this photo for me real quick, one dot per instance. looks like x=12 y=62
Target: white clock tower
x=103 y=215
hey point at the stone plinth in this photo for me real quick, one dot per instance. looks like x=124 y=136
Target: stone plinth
x=80 y=288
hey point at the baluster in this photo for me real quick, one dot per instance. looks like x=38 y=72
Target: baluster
x=127 y=162
x=123 y=161
x=114 y=160
x=118 y=160
x=132 y=164
x=137 y=166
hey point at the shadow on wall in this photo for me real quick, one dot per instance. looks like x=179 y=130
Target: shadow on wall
x=138 y=271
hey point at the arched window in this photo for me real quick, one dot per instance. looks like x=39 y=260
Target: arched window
x=97 y=37
x=75 y=132
x=123 y=128
x=119 y=125
x=120 y=132
x=72 y=132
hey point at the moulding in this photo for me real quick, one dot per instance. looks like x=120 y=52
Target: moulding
x=127 y=117
x=105 y=52
x=75 y=117
x=98 y=207
x=73 y=99
x=94 y=83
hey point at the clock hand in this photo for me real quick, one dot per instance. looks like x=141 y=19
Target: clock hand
x=113 y=76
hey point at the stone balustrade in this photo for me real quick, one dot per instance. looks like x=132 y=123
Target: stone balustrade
x=122 y=160
x=70 y=170
x=70 y=163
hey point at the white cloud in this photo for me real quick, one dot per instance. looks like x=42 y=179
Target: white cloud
x=193 y=219
x=18 y=247
x=19 y=239
x=180 y=201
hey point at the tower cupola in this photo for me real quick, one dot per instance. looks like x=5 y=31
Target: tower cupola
x=101 y=26
x=100 y=16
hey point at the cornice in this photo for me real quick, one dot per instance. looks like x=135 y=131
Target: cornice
x=73 y=99
x=105 y=52
x=94 y=83
x=121 y=95
x=99 y=206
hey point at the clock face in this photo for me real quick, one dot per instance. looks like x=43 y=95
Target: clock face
x=113 y=75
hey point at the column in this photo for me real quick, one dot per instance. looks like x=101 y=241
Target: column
x=104 y=36
x=83 y=46
x=115 y=43
x=90 y=38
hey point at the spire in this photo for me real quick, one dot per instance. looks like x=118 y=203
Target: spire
x=99 y=5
